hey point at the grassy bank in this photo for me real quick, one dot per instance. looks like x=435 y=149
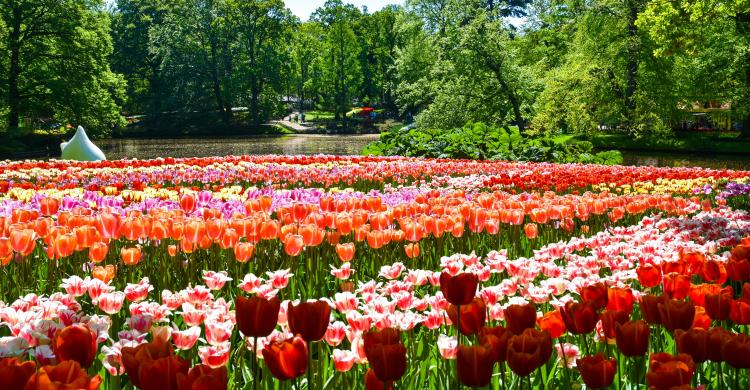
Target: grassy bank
x=681 y=142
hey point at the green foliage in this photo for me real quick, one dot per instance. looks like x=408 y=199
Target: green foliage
x=482 y=142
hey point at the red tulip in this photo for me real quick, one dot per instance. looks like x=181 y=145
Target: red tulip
x=520 y=317
x=309 y=319
x=694 y=342
x=632 y=337
x=135 y=359
x=667 y=371
x=76 y=342
x=497 y=338
x=717 y=337
x=676 y=286
x=595 y=295
x=597 y=371
x=612 y=318
x=203 y=377
x=719 y=304
x=736 y=351
x=739 y=311
x=373 y=383
x=474 y=365
x=528 y=351
x=579 y=318
x=385 y=353
x=459 y=289
x=738 y=270
x=714 y=272
x=649 y=275
x=257 y=316
x=676 y=314
x=286 y=359
x=472 y=316
x=14 y=374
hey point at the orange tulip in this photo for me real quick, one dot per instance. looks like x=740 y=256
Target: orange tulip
x=66 y=375
x=293 y=245
x=552 y=322
x=243 y=251
x=286 y=359
x=412 y=250
x=345 y=251
x=98 y=252
x=105 y=274
x=49 y=206
x=130 y=256
x=153 y=366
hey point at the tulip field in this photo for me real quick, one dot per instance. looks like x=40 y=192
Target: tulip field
x=330 y=272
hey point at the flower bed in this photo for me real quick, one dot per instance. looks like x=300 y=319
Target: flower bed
x=318 y=272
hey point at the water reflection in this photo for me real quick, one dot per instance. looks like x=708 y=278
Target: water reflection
x=350 y=145
x=207 y=147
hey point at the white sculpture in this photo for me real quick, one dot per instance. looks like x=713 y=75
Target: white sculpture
x=81 y=148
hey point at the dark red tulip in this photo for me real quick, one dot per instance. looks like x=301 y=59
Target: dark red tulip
x=736 y=351
x=309 y=319
x=497 y=338
x=553 y=323
x=620 y=299
x=597 y=371
x=373 y=383
x=473 y=316
x=676 y=286
x=14 y=374
x=677 y=314
x=717 y=337
x=286 y=359
x=714 y=272
x=520 y=317
x=649 y=275
x=738 y=270
x=459 y=289
x=746 y=290
x=385 y=353
x=595 y=295
x=528 y=351
x=579 y=318
x=667 y=371
x=202 y=377
x=256 y=316
x=76 y=342
x=718 y=305
x=611 y=318
x=650 y=308
x=739 y=311
x=632 y=337
x=694 y=342
x=153 y=365
x=474 y=365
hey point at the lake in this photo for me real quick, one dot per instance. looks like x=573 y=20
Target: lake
x=349 y=145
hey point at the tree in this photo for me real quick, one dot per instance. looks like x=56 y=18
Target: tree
x=712 y=39
x=56 y=63
x=306 y=48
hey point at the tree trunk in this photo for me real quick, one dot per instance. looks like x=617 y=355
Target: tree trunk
x=742 y=24
x=14 y=97
x=217 y=84
x=632 y=65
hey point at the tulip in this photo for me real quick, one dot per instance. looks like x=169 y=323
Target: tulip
x=739 y=311
x=736 y=351
x=256 y=316
x=677 y=314
x=472 y=316
x=597 y=371
x=717 y=337
x=134 y=359
x=286 y=359
x=345 y=251
x=474 y=365
x=75 y=342
x=520 y=317
x=676 y=286
x=632 y=337
x=667 y=371
x=66 y=375
x=14 y=374
x=131 y=256
x=373 y=383
x=694 y=342
x=203 y=377
x=649 y=275
x=738 y=270
x=612 y=318
x=553 y=323
x=309 y=319
x=386 y=354
x=459 y=289
x=650 y=308
x=579 y=318
x=528 y=351
x=620 y=299
x=718 y=305
x=161 y=374
x=596 y=295
x=497 y=338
